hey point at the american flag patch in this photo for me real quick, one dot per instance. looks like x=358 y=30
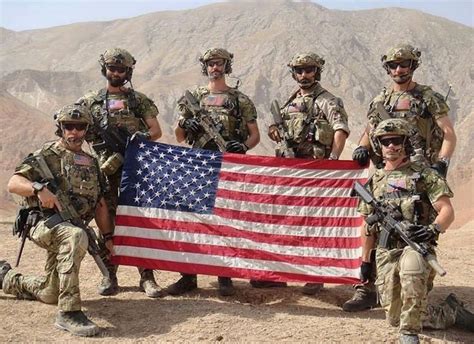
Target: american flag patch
x=115 y=104
x=212 y=100
x=83 y=160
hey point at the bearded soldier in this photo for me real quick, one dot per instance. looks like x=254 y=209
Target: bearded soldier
x=78 y=179
x=118 y=113
x=314 y=123
x=233 y=117
x=431 y=132
x=421 y=198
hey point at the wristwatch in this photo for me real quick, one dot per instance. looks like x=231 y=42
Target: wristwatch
x=445 y=160
x=37 y=187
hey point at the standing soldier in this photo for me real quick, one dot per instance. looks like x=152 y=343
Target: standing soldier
x=62 y=211
x=119 y=112
x=421 y=198
x=233 y=117
x=314 y=125
x=431 y=134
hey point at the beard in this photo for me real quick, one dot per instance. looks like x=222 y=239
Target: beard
x=116 y=81
x=216 y=75
x=306 y=83
x=402 y=79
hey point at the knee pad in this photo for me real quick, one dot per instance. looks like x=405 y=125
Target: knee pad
x=412 y=263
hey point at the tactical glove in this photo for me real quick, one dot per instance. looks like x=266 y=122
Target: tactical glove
x=361 y=155
x=420 y=234
x=441 y=167
x=366 y=271
x=190 y=125
x=236 y=147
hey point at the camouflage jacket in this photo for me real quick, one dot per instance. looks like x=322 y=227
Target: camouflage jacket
x=421 y=107
x=311 y=120
x=77 y=175
x=230 y=111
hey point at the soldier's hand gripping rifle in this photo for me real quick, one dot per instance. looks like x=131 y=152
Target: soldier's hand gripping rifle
x=282 y=148
x=206 y=122
x=386 y=216
x=69 y=213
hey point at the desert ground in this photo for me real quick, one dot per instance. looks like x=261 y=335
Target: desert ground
x=252 y=315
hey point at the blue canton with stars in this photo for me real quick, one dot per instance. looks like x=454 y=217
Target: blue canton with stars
x=156 y=175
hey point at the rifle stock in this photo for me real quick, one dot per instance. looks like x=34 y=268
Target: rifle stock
x=210 y=130
x=389 y=225
x=283 y=148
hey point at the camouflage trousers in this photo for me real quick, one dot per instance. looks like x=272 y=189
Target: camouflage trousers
x=404 y=279
x=66 y=245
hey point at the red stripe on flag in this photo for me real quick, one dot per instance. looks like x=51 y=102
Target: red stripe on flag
x=287 y=181
x=288 y=220
x=176 y=246
x=192 y=268
x=227 y=231
x=289 y=200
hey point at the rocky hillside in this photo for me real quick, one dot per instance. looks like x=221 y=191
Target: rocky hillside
x=48 y=68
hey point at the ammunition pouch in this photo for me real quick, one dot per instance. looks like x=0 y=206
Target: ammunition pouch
x=324 y=133
x=112 y=164
x=53 y=220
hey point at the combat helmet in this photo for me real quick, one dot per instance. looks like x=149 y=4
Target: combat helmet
x=402 y=52
x=307 y=60
x=76 y=113
x=217 y=53
x=391 y=126
x=117 y=57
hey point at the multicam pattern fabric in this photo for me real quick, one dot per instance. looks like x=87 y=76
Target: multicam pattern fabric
x=404 y=278
x=306 y=60
x=421 y=107
x=117 y=56
x=79 y=177
x=402 y=52
x=319 y=109
x=230 y=111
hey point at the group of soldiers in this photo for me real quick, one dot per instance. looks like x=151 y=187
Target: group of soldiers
x=409 y=138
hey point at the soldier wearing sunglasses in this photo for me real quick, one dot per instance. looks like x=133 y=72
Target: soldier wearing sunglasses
x=123 y=109
x=432 y=134
x=315 y=125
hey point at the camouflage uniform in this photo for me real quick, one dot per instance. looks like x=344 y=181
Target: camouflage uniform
x=323 y=113
x=79 y=176
x=404 y=278
x=127 y=111
x=230 y=111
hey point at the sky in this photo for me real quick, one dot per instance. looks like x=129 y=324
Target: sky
x=19 y=15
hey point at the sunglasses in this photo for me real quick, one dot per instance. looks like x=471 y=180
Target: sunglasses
x=396 y=141
x=117 y=69
x=402 y=64
x=215 y=63
x=72 y=126
x=307 y=70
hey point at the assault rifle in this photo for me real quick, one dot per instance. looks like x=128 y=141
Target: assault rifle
x=69 y=213
x=206 y=122
x=113 y=138
x=282 y=148
x=386 y=217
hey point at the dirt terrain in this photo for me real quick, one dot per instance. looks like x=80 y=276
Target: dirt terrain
x=252 y=315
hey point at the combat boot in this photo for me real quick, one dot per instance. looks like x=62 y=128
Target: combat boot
x=149 y=286
x=312 y=288
x=77 y=323
x=109 y=285
x=362 y=299
x=184 y=285
x=267 y=284
x=409 y=339
x=4 y=268
x=226 y=288
x=464 y=319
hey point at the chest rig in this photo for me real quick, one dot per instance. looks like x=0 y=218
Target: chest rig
x=309 y=133
x=224 y=111
x=426 y=137
x=77 y=175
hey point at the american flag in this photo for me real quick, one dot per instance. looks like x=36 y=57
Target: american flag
x=247 y=216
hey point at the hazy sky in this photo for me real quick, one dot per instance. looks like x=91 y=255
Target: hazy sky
x=21 y=15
